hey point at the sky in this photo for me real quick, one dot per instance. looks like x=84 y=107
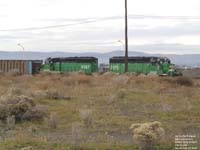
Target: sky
x=155 y=26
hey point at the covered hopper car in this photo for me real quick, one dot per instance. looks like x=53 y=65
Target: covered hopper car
x=87 y=65
x=143 y=65
x=20 y=66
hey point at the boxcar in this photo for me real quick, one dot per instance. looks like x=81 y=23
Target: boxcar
x=87 y=65
x=20 y=66
x=142 y=65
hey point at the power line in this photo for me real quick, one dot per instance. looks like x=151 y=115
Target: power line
x=93 y=20
x=165 y=17
x=46 y=27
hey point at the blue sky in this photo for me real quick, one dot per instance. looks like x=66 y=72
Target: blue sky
x=103 y=25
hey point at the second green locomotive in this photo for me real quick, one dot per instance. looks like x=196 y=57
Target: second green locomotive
x=143 y=65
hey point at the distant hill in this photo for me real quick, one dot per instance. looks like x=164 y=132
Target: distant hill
x=188 y=60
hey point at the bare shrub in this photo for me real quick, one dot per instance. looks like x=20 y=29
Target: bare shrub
x=121 y=80
x=45 y=73
x=76 y=135
x=167 y=79
x=69 y=81
x=38 y=94
x=36 y=113
x=54 y=94
x=2 y=73
x=166 y=107
x=3 y=112
x=109 y=73
x=87 y=117
x=44 y=85
x=184 y=81
x=121 y=94
x=10 y=120
x=139 y=81
x=1 y=123
x=97 y=74
x=13 y=72
x=15 y=91
x=83 y=79
x=81 y=72
x=33 y=129
x=146 y=135
x=27 y=148
x=118 y=96
x=112 y=99
x=19 y=106
x=52 y=121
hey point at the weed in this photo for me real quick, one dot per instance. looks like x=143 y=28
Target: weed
x=83 y=79
x=36 y=113
x=10 y=120
x=13 y=72
x=87 y=117
x=52 y=121
x=54 y=94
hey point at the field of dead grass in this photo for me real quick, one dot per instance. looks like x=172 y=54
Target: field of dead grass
x=95 y=112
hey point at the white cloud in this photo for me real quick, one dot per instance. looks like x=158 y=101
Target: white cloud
x=99 y=35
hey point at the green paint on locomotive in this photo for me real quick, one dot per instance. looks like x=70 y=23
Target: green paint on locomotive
x=87 y=65
x=142 y=65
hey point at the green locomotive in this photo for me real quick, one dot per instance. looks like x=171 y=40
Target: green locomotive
x=143 y=65
x=87 y=65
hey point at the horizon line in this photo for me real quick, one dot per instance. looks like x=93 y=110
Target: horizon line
x=156 y=53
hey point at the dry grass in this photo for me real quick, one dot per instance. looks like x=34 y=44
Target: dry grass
x=87 y=117
x=182 y=81
x=52 y=121
x=14 y=72
x=185 y=81
x=99 y=107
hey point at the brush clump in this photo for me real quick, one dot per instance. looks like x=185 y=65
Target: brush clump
x=147 y=134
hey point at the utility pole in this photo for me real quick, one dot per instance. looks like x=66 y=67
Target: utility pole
x=126 y=36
